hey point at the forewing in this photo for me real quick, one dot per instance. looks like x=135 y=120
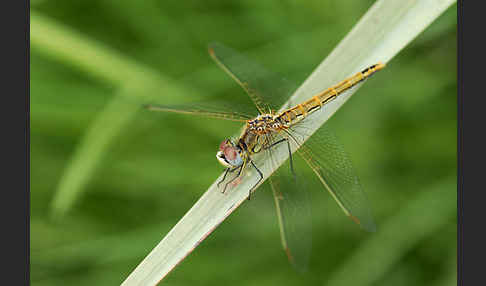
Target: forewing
x=327 y=158
x=267 y=90
x=206 y=109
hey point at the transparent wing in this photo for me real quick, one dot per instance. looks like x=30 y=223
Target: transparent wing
x=327 y=158
x=292 y=204
x=267 y=90
x=210 y=109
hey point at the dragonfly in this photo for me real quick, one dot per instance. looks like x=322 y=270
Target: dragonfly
x=265 y=128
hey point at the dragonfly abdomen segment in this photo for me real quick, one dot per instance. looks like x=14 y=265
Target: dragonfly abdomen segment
x=300 y=111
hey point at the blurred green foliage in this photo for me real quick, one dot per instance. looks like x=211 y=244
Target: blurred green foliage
x=399 y=129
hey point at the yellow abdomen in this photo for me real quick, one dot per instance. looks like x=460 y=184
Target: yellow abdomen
x=300 y=111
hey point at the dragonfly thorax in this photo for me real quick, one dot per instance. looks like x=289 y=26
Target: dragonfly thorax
x=254 y=136
x=263 y=124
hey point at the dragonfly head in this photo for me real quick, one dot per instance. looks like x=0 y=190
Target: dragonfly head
x=229 y=154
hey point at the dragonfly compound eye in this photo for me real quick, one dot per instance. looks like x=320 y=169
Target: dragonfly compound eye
x=230 y=153
x=229 y=157
x=224 y=144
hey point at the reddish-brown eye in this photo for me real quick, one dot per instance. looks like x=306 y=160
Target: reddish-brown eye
x=230 y=153
x=223 y=145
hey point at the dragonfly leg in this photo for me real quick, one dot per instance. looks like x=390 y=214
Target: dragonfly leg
x=261 y=178
x=224 y=177
x=290 y=152
x=290 y=160
x=236 y=177
x=228 y=170
x=276 y=143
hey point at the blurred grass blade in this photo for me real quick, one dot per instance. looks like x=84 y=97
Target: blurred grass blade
x=433 y=208
x=68 y=46
x=94 y=143
x=106 y=65
x=383 y=31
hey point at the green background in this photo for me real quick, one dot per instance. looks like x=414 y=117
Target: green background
x=133 y=174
